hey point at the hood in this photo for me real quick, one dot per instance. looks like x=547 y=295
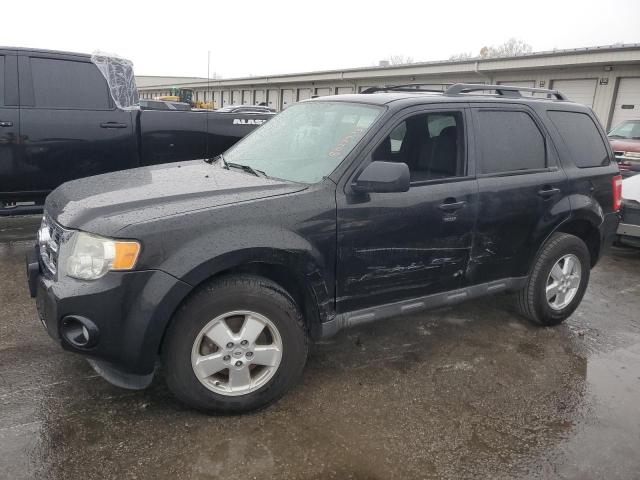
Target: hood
x=631 y=188
x=624 y=145
x=104 y=204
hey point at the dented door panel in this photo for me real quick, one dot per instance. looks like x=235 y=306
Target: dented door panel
x=394 y=246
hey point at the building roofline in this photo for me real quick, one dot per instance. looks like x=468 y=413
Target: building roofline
x=475 y=63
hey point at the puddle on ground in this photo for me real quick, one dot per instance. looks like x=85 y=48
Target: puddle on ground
x=426 y=396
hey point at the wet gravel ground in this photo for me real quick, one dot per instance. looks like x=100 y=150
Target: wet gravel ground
x=466 y=392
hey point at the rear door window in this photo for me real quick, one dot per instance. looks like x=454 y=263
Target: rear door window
x=582 y=138
x=67 y=84
x=509 y=141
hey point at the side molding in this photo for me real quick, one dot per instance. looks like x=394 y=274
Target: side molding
x=414 y=305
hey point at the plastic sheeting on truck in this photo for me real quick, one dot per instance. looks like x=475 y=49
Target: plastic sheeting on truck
x=120 y=78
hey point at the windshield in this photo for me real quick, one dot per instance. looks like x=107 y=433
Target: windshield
x=626 y=130
x=306 y=142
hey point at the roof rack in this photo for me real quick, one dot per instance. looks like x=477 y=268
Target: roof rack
x=408 y=87
x=504 y=90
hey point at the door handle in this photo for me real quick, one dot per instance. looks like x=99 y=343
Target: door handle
x=113 y=125
x=451 y=205
x=6 y=124
x=548 y=192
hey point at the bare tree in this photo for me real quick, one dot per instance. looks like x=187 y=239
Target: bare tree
x=399 y=60
x=511 y=48
x=461 y=56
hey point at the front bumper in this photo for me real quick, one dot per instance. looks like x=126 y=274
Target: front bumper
x=629 y=228
x=130 y=310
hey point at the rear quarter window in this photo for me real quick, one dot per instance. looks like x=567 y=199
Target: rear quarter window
x=582 y=138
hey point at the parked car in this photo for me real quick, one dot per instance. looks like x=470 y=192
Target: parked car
x=629 y=228
x=625 y=141
x=59 y=121
x=146 y=104
x=226 y=270
x=245 y=109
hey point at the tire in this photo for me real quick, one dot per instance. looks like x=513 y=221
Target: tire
x=250 y=300
x=532 y=301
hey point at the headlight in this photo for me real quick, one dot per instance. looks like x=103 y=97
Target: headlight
x=89 y=257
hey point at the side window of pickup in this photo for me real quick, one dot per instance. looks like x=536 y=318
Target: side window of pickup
x=66 y=84
x=431 y=144
x=509 y=141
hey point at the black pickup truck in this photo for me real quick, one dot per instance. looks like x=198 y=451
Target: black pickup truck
x=59 y=121
x=339 y=211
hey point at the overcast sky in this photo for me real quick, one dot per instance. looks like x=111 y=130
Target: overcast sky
x=265 y=37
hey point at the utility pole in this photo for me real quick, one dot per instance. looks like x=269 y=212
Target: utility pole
x=209 y=75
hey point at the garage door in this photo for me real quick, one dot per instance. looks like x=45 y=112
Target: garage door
x=344 y=90
x=217 y=97
x=246 y=97
x=236 y=97
x=579 y=91
x=304 y=93
x=627 y=105
x=259 y=97
x=272 y=99
x=323 y=92
x=225 y=98
x=287 y=98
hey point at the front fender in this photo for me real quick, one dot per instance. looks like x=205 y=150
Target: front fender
x=204 y=256
x=295 y=231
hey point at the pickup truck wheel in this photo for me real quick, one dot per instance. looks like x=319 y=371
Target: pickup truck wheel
x=238 y=344
x=557 y=282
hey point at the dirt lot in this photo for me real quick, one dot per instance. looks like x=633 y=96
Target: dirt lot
x=466 y=392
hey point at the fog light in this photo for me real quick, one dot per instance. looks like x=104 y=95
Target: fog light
x=79 y=332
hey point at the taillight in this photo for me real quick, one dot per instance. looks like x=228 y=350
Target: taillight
x=617 y=193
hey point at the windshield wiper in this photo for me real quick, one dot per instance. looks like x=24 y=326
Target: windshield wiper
x=616 y=136
x=218 y=157
x=246 y=168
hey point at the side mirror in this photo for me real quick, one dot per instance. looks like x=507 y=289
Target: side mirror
x=383 y=177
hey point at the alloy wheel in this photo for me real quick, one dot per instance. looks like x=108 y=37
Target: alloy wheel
x=236 y=353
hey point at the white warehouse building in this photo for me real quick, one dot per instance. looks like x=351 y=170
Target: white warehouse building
x=604 y=78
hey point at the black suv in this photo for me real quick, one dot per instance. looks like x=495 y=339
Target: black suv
x=339 y=211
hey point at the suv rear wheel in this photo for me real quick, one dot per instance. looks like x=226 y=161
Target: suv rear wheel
x=236 y=345
x=557 y=282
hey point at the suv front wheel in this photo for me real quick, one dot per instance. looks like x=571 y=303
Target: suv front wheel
x=557 y=281
x=236 y=345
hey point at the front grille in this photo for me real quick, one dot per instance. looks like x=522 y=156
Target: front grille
x=50 y=237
